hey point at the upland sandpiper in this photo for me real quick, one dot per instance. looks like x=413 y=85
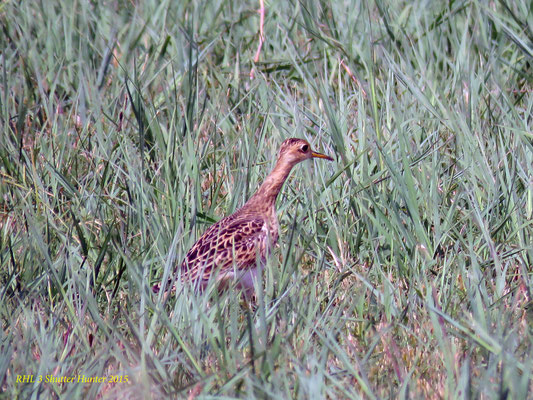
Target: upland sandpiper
x=230 y=249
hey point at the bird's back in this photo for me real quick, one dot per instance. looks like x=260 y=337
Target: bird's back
x=229 y=248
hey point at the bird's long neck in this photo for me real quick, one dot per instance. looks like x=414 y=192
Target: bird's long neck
x=266 y=195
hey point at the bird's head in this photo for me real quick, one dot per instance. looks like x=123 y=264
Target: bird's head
x=295 y=150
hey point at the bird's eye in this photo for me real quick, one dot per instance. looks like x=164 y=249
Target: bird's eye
x=304 y=148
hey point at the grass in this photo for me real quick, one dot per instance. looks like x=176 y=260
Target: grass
x=404 y=267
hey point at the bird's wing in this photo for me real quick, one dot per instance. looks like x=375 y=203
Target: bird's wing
x=236 y=242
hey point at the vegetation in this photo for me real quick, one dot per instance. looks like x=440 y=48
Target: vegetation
x=404 y=267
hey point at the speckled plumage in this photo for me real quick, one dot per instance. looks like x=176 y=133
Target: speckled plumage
x=230 y=248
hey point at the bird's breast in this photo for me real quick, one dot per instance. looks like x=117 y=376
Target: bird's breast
x=273 y=231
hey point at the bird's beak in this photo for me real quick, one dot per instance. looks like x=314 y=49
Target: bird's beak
x=320 y=155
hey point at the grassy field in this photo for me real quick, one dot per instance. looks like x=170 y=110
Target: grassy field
x=404 y=268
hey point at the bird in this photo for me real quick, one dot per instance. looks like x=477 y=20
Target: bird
x=233 y=249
